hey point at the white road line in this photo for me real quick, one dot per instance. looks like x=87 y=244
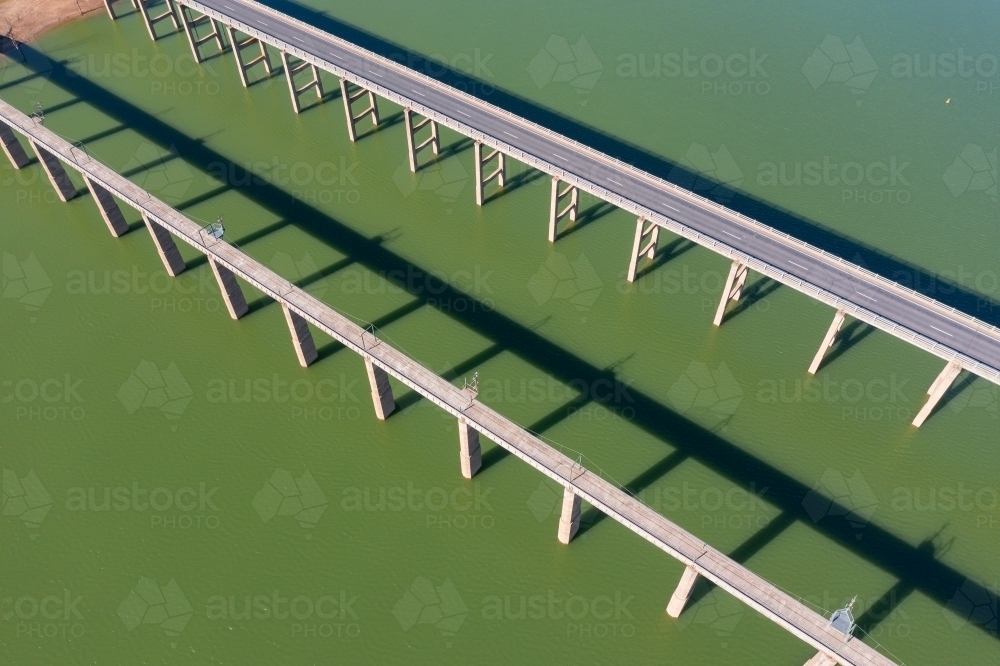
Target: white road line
x=298 y=39
x=335 y=55
x=561 y=157
x=464 y=114
x=509 y=134
x=799 y=265
x=670 y=207
x=420 y=93
x=614 y=181
x=729 y=234
x=866 y=296
x=945 y=332
x=377 y=74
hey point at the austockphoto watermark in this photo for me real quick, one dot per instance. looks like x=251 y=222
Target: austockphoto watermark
x=42 y=399
x=173 y=75
x=459 y=507
x=458 y=291
x=51 y=615
x=313 y=183
x=191 y=291
x=877 y=399
x=475 y=65
x=720 y=508
x=882 y=181
x=305 y=616
x=730 y=74
x=168 y=508
x=982 y=69
x=326 y=399
x=599 y=616
x=982 y=502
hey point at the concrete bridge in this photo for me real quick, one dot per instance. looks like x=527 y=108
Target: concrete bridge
x=834 y=644
x=248 y=28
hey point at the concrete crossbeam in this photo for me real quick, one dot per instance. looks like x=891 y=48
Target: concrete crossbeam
x=646 y=239
x=170 y=14
x=499 y=174
x=191 y=24
x=314 y=82
x=244 y=66
x=349 y=99
x=433 y=141
x=572 y=208
x=734 y=288
x=378 y=379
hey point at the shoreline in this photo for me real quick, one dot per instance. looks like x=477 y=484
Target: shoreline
x=25 y=20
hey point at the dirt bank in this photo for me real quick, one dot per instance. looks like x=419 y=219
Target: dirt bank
x=24 y=20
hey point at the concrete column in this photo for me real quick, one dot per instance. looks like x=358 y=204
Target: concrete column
x=499 y=174
x=569 y=519
x=111 y=12
x=469 y=453
x=734 y=288
x=151 y=21
x=302 y=339
x=166 y=247
x=238 y=48
x=191 y=24
x=110 y=211
x=571 y=209
x=681 y=595
x=236 y=303
x=378 y=379
x=55 y=171
x=12 y=148
x=822 y=659
x=414 y=148
x=937 y=391
x=652 y=233
x=831 y=337
x=349 y=99
x=296 y=92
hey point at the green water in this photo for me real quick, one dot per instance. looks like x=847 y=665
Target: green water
x=115 y=376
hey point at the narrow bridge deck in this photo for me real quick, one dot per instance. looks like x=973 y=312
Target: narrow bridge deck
x=743 y=584
x=903 y=312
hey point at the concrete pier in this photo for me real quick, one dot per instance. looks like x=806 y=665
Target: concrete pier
x=414 y=148
x=569 y=519
x=191 y=24
x=314 y=82
x=469 y=453
x=831 y=337
x=55 y=171
x=302 y=339
x=681 y=595
x=230 y=289
x=110 y=211
x=822 y=659
x=244 y=66
x=166 y=247
x=12 y=148
x=349 y=99
x=571 y=209
x=499 y=174
x=646 y=239
x=170 y=14
x=734 y=288
x=378 y=379
x=937 y=391
x=109 y=5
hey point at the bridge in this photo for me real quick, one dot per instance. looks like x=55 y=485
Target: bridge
x=962 y=341
x=833 y=643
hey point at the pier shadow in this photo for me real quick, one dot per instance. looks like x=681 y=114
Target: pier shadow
x=966 y=382
x=847 y=339
x=665 y=255
x=891 y=553
x=587 y=217
x=752 y=295
x=515 y=182
x=454 y=148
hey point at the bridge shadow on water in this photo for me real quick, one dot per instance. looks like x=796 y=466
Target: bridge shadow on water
x=915 y=567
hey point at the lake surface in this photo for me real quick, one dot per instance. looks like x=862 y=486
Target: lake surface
x=177 y=490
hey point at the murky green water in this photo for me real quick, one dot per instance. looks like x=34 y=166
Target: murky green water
x=178 y=490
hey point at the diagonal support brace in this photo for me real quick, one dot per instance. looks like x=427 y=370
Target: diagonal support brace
x=937 y=391
x=170 y=14
x=482 y=162
x=191 y=24
x=831 y=337
x=244 y=66
x=646 y=239
x=349 y=99
x=110 y=211
x=302 y=339
x=230 y=289
x=734 y=288
x=314 y=83
x=433 y=141
x=165 y=246
x=572 y=208
x=54 y=170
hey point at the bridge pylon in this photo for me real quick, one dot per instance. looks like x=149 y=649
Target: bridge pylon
x=54 y=170
x=314 y=82
x=165 y=247
x=822 y=659
x=734 y=288
x=170 y=14
x=109 y=5
x=381 y=390
x=831 y=337
x=681 y=595
x=230 y=289
x=349 y=99
x=569 y=519
x=469 y=452
x=191 y=24
x=302 y=339
x=110 y=211
x=572 y=208
x=413 y=148
x=499 y=174
x=240 y=46
x=937 y=391
x=12 y=148
x=646 y=239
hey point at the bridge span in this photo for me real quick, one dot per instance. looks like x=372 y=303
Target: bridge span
x=961 y=340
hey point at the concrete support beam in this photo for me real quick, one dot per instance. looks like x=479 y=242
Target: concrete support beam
x=302 y=339
x=349 y=99
x=499 y=174
x=191 y=24
x=166 y=247
x=109 y=4
x=822 y=659
x=314 y=82
x=236 y=303
x=12 y=148
x=734 y=288
x=646 y=238
x=831 y=337
x=469 y=453
x=244 y=66
x=414 y=148
x=110 y=211
x=937 y=391
x=55 y=171
x=681 y=595
x=569 y=519
x=170 y=14
x=572 y=208
x=378 y=379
